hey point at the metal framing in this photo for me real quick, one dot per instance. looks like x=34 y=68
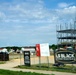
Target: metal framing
x=66 y=34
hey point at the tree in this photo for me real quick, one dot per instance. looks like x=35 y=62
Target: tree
x=53 y=46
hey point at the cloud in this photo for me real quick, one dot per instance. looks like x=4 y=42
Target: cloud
x=23 y=11
x=66 y=15
x=2 y=16
x=64 y=5
x=69 y=10
x=30 y=22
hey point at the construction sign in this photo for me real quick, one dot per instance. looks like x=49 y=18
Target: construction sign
x=42 y=49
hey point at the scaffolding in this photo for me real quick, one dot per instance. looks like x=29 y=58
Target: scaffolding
x=66 y=34
x=66 y=42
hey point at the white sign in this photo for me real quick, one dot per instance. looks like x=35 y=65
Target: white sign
x=44 y=49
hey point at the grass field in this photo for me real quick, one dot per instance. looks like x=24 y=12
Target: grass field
x=2 y=62
x=66 y=68
x=7 y=72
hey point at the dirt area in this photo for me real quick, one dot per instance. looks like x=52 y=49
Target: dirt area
x=20 y=61
x=34 y=60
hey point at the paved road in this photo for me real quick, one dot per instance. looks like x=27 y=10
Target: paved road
x=10 y=64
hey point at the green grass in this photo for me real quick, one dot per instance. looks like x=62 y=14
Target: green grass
x=2 y=62
x=71 y=69
x=8 y=72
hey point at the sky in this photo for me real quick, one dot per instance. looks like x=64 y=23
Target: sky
x=31 y=22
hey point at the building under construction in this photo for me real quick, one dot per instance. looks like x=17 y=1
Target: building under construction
x=66 y=41
x=66 y=34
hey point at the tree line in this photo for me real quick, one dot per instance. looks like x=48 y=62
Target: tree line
x=53 y=46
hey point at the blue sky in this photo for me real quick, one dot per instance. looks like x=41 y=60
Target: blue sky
x=28 y=22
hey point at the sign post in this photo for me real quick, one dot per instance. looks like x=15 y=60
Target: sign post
x=38 y=53
x=27 y=58
x=42 y=50
x=48 y=61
